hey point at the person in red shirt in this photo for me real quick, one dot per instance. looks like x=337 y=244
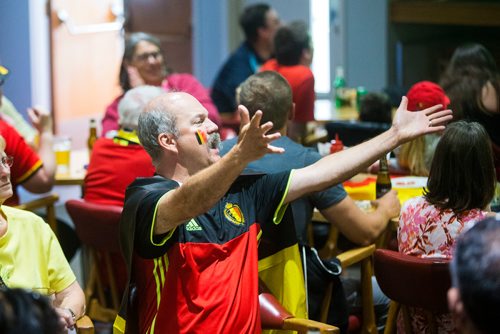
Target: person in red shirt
x=293 y=49
x=116 y=162
x=34 y=170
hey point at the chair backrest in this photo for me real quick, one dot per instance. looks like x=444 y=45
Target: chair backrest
x=96 y=225
x=413 y=281
x=353 y=132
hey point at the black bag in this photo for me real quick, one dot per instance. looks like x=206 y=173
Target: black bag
x=319 y=273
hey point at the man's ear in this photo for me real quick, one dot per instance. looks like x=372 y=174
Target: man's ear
x=306 y=57
x=291 y=114
x=167 y=141
x=456 y=306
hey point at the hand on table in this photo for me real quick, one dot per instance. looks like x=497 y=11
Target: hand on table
x=390 y=203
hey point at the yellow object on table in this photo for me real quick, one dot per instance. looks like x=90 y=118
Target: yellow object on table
x=407 y=187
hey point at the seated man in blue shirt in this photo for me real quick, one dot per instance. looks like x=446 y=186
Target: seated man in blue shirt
x=270 y=92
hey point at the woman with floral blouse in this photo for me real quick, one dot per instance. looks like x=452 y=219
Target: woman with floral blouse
x=460 y=187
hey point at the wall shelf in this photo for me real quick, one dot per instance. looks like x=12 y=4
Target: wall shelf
x=467 y=13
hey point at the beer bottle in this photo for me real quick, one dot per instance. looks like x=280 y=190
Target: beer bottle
x=383 y=184
x=92 y=134
x=339 y=87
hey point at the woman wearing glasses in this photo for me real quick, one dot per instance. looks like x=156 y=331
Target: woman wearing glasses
x=35 y=169
x=31 y=257
x=144 y=63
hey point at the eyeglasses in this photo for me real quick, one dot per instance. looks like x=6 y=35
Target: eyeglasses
x=4 y=73
x=145 y=56
x=7 y=161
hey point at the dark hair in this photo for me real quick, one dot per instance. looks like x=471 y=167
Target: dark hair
x=130 y=44
x=475 y=271
x=25 y=312
x=471 y=67
x=462 y=174
x=472 y=54
x=375 y=107
x=290 y=41
x=269 y=92
x=253 y=18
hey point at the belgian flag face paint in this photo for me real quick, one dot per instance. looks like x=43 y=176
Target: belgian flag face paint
x=201 y=136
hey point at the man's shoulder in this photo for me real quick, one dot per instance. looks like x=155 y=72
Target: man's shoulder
x=227 y=145
x=292 y=148
x=142 y=185
x=238 y=60
x=152 y=183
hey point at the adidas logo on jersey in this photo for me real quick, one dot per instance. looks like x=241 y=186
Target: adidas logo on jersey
x=193 y=226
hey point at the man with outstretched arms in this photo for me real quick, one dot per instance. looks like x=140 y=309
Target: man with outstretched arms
x=190 y=233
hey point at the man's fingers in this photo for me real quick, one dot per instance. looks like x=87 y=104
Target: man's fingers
x=273 y=136
x=432 y=110
x=266 y=127
x=255 y=121
x=244 y=115
x=404 y=103
x=439 y=115
x=275 y=149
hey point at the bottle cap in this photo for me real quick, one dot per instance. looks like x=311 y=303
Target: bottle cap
x=337 y=144
x=339 y=71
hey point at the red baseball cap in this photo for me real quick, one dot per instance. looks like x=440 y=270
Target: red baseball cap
x=425 y=94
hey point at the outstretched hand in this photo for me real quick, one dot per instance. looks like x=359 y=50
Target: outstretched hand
x=253 y=140
x=411 y=124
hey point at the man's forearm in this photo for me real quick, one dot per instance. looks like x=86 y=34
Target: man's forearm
x=342 y=165
x=46 y=153
x=200 y=192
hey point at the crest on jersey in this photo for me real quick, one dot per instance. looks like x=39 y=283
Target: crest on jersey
x=232 y=212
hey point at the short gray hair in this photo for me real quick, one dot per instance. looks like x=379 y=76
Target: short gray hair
x=154 y=120
x=132 y=104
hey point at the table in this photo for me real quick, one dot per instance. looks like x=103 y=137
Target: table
x=325 y=111
x=362 y=188
x=78 y=163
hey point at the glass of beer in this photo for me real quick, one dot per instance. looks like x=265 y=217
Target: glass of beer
x=62 y=150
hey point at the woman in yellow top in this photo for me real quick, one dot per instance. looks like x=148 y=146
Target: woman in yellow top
x=31 y=257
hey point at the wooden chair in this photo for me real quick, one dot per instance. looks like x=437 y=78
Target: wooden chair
x=412 y=281
x=274 y=316
x=97 y=228
x=361 y=255
x=46 y=202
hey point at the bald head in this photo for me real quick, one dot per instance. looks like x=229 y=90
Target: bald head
x=161 y=115
x=132 y=104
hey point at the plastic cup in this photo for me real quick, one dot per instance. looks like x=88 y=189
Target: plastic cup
x=62 y=150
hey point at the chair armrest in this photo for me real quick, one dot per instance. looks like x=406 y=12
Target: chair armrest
x=44 y=202
x=39 y=202
x=272 y=313
x=84 y=325
x=303 y=325
x=355 y=255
